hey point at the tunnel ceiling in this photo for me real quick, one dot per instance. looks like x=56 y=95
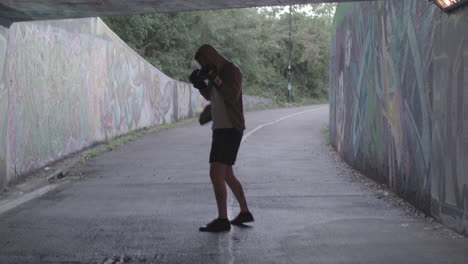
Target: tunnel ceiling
x=24 y=10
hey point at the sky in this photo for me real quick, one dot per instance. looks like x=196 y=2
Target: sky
x=309 y=9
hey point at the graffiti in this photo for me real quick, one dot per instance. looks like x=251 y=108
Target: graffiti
x=72 y=83
x=380 y=109
x=397 y=107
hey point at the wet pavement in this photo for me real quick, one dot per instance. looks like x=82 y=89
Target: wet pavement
x=143 y=203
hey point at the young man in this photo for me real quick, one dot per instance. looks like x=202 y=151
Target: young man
x=225 y=93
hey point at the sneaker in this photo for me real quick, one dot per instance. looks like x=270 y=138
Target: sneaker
x=217 y=225
x=242 y=218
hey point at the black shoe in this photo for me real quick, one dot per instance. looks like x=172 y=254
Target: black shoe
x=242 y=218
x=217 y=225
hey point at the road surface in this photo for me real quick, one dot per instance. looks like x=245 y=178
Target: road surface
x=144 y=202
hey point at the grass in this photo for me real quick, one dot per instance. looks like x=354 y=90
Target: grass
x=296 y=103
x=303 y=102
x=326 y=133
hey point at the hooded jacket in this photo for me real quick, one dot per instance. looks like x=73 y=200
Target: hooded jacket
x=230 y=88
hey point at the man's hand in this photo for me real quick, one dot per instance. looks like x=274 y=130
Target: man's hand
x=208 y=72
x=205 y=116
x=194 y=76
x=196 y=80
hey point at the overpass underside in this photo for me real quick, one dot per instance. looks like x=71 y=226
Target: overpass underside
x=27 y=10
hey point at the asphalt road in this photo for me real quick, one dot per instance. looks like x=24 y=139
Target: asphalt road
x=144 y=202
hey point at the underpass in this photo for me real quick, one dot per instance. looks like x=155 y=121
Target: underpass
x=406 y=128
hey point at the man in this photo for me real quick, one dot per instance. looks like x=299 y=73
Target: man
x=225 y=93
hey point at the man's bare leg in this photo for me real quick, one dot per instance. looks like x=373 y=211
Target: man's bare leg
x=218 y=176
x=236 y=188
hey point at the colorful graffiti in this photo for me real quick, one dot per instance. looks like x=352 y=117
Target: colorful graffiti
x=380 y=109
x=72 y=83
x=385 y=90
x=99 y=85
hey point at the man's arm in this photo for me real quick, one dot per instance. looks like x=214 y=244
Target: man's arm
x=200 y=84
x=229 y=84
x=205 y=92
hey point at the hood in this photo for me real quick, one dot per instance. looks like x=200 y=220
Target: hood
x=210 y=55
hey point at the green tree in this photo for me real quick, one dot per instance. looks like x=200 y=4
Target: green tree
x=256 y=39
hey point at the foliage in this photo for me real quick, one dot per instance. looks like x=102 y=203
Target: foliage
x=256 y=39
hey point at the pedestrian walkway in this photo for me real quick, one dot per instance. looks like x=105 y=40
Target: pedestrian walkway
x=144 y=201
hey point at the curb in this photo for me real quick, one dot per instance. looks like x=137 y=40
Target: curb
x=9 y=204
x=60 y=174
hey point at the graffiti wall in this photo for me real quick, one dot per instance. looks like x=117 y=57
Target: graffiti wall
x=72 y=83
x=396 y=101
x=3 y=107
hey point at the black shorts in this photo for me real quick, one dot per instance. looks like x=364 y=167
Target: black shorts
x=225 y=145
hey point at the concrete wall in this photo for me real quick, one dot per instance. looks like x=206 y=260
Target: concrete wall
x=449 y=172
x=67 y=84
x=3 y=107
x=72 y=83
x=255 y=101
x=399 y=101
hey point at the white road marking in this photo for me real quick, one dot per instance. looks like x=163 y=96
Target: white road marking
x=225 y=245
x=276 y=121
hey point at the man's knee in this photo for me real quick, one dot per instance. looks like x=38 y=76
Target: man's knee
x=218 y=170
x=230 y=174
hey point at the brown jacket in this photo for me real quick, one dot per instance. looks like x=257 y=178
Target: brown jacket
x=231 y=87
